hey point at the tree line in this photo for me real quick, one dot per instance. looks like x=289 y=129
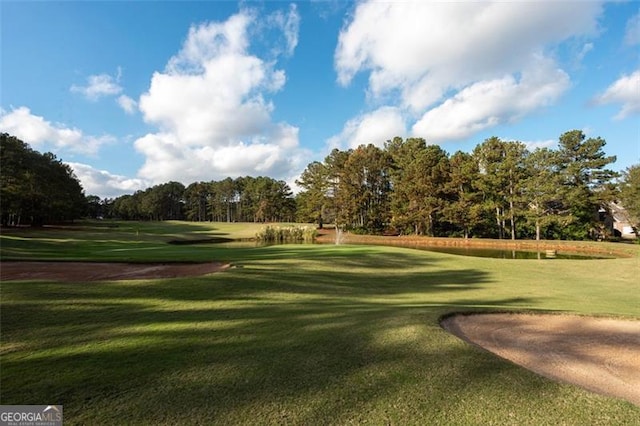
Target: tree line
x=36 y=188
x=244 y=199
x=500 y=190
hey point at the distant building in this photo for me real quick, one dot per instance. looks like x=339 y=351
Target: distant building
x=620 y=222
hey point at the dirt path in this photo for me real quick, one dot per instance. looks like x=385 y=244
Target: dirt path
x=89 y=271
x=599 y=354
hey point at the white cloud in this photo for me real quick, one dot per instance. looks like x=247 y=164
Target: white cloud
x=167 y=158
x=40 y=133
x=99 y=85
x=289 y=25
x=533 y=145
x=625 y=91
x=127 y=104
x=588 y=47
x=435 y=47
x=451 y=54
x=488 y=103
x=210 y=40
x=211 y=110
x=216 y=106
x=372 y=128
x=103 y=85
x=291 y=28
x=632 y=34
x=105 y=184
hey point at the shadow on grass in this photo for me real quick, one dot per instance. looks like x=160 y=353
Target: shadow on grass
x=316 y=362
x=285 y=339
x=97 y=240
x=289 y=345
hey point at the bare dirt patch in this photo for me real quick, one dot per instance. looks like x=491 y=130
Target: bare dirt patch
x=599 y=354
x=90 y=271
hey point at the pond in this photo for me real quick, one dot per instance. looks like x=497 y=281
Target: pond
x=509 y=254
x=495 y=253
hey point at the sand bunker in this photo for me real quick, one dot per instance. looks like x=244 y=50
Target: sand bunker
x=89 y=271
x=599 y=354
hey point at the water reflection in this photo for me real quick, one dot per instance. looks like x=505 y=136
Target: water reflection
x=461 y=251
x=508 y=254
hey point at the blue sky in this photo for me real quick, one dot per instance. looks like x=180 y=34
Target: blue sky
x=133 y=94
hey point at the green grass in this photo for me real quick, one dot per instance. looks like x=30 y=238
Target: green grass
x=296 y=334
x=122 y=241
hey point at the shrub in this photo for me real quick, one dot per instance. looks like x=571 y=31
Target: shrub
x=288 y=234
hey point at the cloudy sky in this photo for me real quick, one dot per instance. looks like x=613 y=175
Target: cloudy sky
x=132 y=94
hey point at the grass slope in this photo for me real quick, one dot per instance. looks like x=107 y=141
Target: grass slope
x=295 y=334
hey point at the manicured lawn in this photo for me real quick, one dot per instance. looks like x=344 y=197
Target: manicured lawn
x=121 y=241
x=294 y=334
